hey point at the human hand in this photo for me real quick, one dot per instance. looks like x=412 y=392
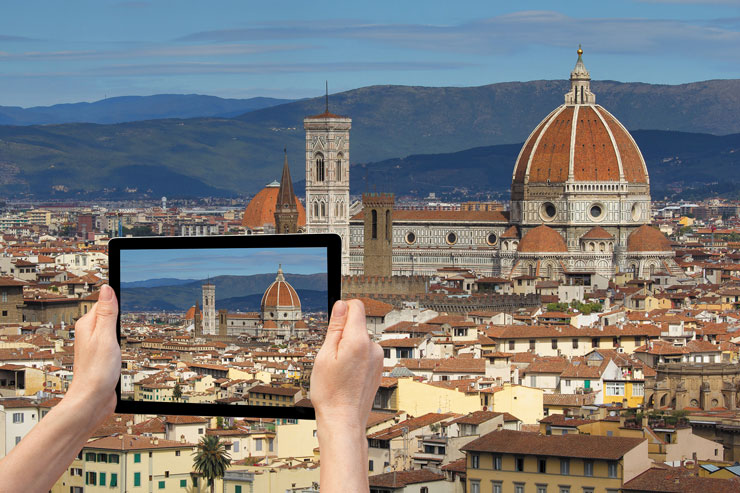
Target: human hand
x=97 y=365
x=347 y=370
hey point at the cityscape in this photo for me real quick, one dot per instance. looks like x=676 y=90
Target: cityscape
x=576 y=330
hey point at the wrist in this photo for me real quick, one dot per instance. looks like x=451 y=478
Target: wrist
x=89 y=409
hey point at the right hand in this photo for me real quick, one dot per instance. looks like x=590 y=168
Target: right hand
x=347 y=370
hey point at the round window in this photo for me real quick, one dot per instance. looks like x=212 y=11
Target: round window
x=491 y=239
x=548 y=211
x=410 y=237
x=636 y=212
x=596 y=211
x=451 y=238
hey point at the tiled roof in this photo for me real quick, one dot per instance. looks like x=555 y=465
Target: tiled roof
x=445 y=216
x=375 y=308
x=648 y=239
x=407 y=342
x=571 y=445
x=597 y=233
x=542 y=239
x=475 y=418
x=261 y=209
x=410 y=424
x=134 y=442
x=674 y=480
x=267 y=389
x=399 y=479
x=569 y=400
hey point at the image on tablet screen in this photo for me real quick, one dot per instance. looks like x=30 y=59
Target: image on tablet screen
x=237 y=326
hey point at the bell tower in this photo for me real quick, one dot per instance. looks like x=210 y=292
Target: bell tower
x=327 y=176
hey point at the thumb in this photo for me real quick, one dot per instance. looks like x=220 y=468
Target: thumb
x=336 y=326
x=106 y=309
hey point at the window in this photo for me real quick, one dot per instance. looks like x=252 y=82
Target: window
x=638 y=389
x=595 y=342
x=137 y=458
x=496 y=486
x=423 y=489
x=474 y=486
x=613 y=469
x=374 y=224
x=575 y=343
x=541 y=488
x=113 y=458
x=565 y=466
x=615 y=388
x=17 y=417
x=370 y=467
x=161 y=485
x=554 y=343
x=564 y=489
x=113 y=479
x=518 y=487
x=497 y=462
x=90 y=457
x=519 y=464
x=567 y=382
x=588 y=489
x=5 y=296
x=103 y=458
x=511 y=345
x=91 y=478
x=102 y=479
x=474 y=461
x=237 y=489
x=319 y=168
x=270 y=443
x=183 y=483
x=588 y=468
x=531 y=344
x=177 y=452
x=542 y=465
x=258 y=445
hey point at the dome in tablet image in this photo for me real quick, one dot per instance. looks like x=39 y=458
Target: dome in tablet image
x=281 y=303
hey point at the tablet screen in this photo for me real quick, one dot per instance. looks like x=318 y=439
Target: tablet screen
x=221 y=326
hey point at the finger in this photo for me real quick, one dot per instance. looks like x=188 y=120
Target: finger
x=106 y=309
x=336 y=325
x=356 y=325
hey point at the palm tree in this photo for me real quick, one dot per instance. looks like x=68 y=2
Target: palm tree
x=211 y=459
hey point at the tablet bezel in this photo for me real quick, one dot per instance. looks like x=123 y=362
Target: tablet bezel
x=331 y=242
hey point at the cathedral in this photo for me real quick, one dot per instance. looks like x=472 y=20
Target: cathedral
x=580 y=203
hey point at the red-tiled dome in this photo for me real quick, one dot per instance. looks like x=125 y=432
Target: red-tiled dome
x=602 y=149
x=542 y=239
x=597 y=233
x=648 y=239
x=280 y=294
x=261 y=209
x=190 y=315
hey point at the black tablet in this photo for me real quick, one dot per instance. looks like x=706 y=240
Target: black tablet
x=222 y=325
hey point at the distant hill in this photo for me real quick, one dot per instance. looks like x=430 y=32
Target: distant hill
x=153 y=283
x=231 y=292
x=238 y=156
x=698 y=165
x=135 y=108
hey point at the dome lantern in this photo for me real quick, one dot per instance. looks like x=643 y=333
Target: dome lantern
x=580 y=84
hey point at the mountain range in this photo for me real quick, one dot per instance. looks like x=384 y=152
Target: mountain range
x=457 y=127
x=232 y=292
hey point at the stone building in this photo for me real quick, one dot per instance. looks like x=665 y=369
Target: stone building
x=11 y=300
x=696 y=386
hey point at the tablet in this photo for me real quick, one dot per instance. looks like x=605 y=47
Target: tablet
x=222 y=325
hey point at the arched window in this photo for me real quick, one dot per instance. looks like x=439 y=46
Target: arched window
x=316 y=209
x=320 y=167
x=388 y=226
x=549 y=271
x=652 y=270
x=374 y=232
x=602 y=247
x=323 y=209
x=531 y=270
x=338 y=169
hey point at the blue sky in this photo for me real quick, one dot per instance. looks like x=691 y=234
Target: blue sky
x=83 y=50
x=140 y=265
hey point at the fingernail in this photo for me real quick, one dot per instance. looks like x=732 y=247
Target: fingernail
x=340 y=308
x=106 y=293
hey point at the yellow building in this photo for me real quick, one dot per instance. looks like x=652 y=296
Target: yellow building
x=523 y=402
x=297 y=439
x=39 y=216
x=417 y=398
x=514 y=461
x=137 y=463
x=620 y=391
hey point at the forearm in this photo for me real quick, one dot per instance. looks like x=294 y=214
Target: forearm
x=42 y=456
x=344 y=461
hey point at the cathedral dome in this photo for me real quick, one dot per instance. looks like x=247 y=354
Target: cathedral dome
x=280 y=295
x=580 y=142
x=542 y=239
x=648 y=239
x=261 y=209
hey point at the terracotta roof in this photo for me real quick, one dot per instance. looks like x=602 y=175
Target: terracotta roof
x=267 y=389
x=460 y=465
x=375 y=308
x=410 y=424
x=597 y=233
x=399 y=479
x=562 y=420
x=134 y=442
x=511 y=233
x=648 y=239
x=325 y=114
x=261 y=209
x=570 y=445
x=475 y=418
x=190 y=315
x=675 y=480
x=569 y=400
x=542 y=239
x=9 y=281
x=407 y=342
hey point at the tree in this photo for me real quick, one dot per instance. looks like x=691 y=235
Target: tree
x=177 y=392
x=219 y=422
x=211 y=459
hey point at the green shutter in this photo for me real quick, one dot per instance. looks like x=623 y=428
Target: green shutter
x=102 y=479
x=183 y=483
x=237 y=489
x=113 y=479
x=137 y=478
x=161 y=485
x=137 y=458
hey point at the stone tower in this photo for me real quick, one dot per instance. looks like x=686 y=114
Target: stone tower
x=327 y=176
x=209 y=309
x=286 y=209
x=378 y=220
